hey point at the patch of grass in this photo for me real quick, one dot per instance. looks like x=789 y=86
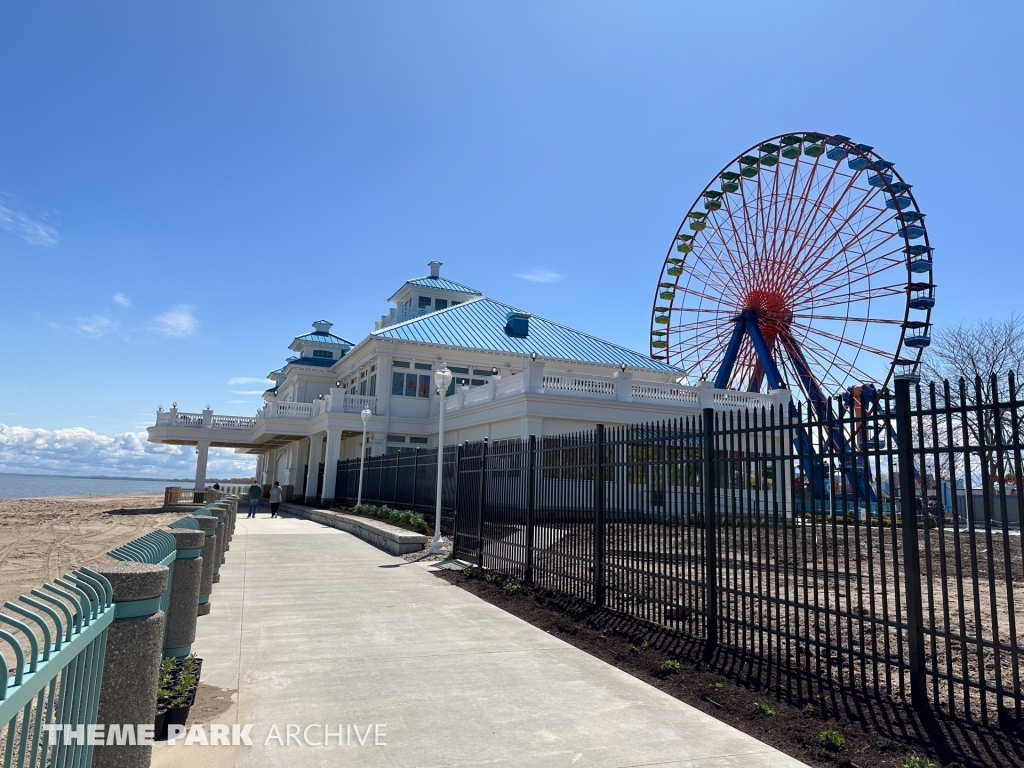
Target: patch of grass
x=633 y=648
x=670 y=666
x=913 y=761
x=762 y=707
x=397 y=516
x=831 y=740
x=704 y=667
x=644 y=645
x=810 y=709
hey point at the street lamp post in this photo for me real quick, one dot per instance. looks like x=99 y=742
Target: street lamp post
x=442 y=378
x=365 y=416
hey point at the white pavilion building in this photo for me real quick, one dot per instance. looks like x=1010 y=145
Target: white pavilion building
x=515 y=375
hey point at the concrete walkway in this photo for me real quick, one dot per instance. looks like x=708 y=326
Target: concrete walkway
x=311 y=625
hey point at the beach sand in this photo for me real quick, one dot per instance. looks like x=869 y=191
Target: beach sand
x=42 y=539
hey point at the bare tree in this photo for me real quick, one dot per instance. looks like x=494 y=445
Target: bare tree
x=980 y=355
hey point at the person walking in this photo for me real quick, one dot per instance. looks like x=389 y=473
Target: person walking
x=275 y=498
x=255 y=492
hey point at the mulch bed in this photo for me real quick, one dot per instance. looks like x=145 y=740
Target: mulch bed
x=412 y=529
x=729 y=687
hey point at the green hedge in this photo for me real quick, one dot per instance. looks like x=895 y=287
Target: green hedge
x=398 y=516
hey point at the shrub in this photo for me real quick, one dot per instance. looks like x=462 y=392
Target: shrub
x=764 y=708
x=493 y=578
x=809 y=709
x=671 y=667
x=512 y=587
x=832 y=740
x=913 y=761
x=717 y=686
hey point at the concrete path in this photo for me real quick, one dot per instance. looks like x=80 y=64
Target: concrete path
x=311 y=626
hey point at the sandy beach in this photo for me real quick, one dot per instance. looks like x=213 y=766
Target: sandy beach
x=41 y=539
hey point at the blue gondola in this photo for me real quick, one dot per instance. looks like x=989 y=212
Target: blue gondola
x=900 y=186
x=922 y=300
x=858 y=163
x=836 y=153
x=880 y=179
x=920 y=266
x=865 y=148
x=912 y=216
x=917 y=342
x=911 y=232
x=898 y=202
x=884 y=165
x=919 y=250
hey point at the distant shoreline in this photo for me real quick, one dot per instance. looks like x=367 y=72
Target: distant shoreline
x=122 y=477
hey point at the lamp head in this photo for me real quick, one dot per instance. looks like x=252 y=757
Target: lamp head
x=337 y=384
x=442 y=378
x=622 y=367
x=365 y=415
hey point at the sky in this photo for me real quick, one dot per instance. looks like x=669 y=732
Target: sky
x=185 y=187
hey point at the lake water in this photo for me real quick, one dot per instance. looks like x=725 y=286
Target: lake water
x=34 y=486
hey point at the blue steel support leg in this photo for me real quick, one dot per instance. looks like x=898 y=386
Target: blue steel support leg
x=729 y=361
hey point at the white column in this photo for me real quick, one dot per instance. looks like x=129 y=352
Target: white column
x=203 y=449
x=316 y=447
x=534 y=373
x=301 y=454
x=624 y=386
x=331 y=456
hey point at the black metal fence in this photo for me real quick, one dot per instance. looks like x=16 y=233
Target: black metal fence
x=405 y=480
x=876 y=548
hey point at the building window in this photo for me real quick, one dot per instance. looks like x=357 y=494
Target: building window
x=480 y=372
x=399 y=364
x=323 y=353
x=424 y=302
x=418 y=440
x=373 y=386
x=456 y=303
x=456 y=369
x=362 y=387
x=423 y=366
x=410 y=385
x=396 y=438
x=440 y=304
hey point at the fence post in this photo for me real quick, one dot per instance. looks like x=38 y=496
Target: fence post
x=398 y=470
x=911 y=555
x=710 y=534
x=186 y=580
x=599 y=516
x=416 y=474
x=531 y=504
x=132 y=660
x=455 y=491
x=480 y=507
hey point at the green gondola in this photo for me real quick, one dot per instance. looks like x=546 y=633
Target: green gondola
x=667 y=295
x=680 y=261
x=769 y=148
x=684 y=248
x=675 y=271
x=748 y=172
x=770 y=160
x=661 y=319
x=813 y=150
x=657 y=344
x=791 y=153
x=748 y=160
x=696 y=226
x=713 y=205
x=789 y=141
x=729 y=182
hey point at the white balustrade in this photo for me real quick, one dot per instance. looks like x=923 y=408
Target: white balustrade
x=477 y=395
x=233 y=422
x=292 y=410
x=731 y=399
x=576 y=384
x=509 y=385
x=656 y=392
x=356 y=403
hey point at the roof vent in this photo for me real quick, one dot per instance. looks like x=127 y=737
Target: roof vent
x=517 y=324
x=435 y=268
x=322 y=326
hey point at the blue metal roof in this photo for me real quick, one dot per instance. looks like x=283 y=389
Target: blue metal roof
x=319 y=362
x=440 y=282
x=324 y=338
x=480 y=324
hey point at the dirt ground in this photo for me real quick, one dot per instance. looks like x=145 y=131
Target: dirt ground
x=877 y=734
x=42 y=539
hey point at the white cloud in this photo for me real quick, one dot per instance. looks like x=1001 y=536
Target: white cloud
x=246 y=380
x=41 y=231
x=540 y=276
x=94 y=327
x=124 y=301
x=176 y=323
x=80 y=451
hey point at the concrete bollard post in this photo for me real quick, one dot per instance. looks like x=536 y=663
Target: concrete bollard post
x=218 y=555
x=185 y=582
x=208 y=525
x=132 y=663
x=227 y=523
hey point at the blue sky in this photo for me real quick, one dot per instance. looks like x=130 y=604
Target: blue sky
x=185 y=187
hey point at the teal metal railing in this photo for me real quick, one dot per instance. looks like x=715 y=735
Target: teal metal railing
x=156 y=548
x=57 y=646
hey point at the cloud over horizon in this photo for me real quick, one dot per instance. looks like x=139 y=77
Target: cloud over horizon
x=34 y=231
x=540 y=276
x=80 y=451
x=176 y=323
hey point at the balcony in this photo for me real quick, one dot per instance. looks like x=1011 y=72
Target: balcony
x=621 y=388
x=204 y=420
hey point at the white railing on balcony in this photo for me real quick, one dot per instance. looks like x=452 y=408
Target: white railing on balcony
x=655 y=392
x=577 y=384
x=356 y=403
x=292 y=410
x=233 y=422
x=477 y=395
x=730 y=399
x=174 y=418
x=509 y=386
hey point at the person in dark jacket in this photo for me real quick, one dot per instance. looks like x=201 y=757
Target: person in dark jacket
x=255 y=492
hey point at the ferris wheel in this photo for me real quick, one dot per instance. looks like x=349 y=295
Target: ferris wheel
x=804 y=264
